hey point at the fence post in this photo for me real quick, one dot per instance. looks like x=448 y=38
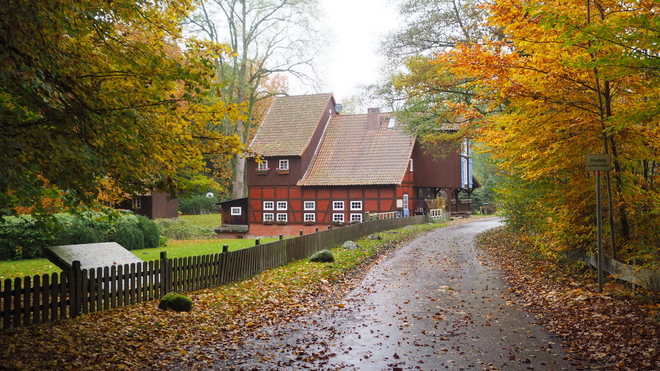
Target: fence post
x=301 y=232
x=281 y=237
x=257 y=242
x=225 y=248
x=76 y=289
x=165 y=274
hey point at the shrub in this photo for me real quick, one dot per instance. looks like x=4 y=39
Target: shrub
x=197 y=204
x=150 y=232
x=176 y=302
x=23 y=238
x=129 y=236
x=324 y=256
x=77 y=231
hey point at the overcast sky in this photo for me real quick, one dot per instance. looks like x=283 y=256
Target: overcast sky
x=357 y=26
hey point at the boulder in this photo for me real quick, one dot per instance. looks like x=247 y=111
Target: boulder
x=176 y=302
x=350 y=245
x=324 y=256
x=374 y=237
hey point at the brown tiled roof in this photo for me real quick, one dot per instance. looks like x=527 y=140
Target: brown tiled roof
x=350 y=154
x=289 y=125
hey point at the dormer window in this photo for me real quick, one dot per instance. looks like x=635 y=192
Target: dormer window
x=263 y=165
x=284 y=164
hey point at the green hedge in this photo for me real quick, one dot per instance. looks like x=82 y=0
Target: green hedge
x=25 y=237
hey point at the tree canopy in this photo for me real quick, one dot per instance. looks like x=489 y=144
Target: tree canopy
x=98 y=95
x=561 y=80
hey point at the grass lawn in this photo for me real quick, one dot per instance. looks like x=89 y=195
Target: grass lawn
x=207 y=220
x=175 y=249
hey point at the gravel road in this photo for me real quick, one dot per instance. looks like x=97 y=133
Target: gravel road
x=433 y=304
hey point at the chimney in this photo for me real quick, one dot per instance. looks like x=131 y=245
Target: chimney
x=373 y=119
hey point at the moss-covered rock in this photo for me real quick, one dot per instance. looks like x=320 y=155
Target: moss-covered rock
x=176 y=302
x=324 y=256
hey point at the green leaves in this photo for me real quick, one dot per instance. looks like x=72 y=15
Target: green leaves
x=97 y=94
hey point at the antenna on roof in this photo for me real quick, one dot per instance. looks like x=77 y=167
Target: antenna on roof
x=338 y=107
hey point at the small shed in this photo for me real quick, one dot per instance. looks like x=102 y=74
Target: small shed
x=234 y=212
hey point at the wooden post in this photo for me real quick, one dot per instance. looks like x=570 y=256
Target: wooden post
x=165 y=274
x=281 y=237
x=225 y=249
x=301 y=232
x=76 y=289
x=257 y=242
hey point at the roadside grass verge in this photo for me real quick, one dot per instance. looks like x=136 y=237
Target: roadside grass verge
x=143 y=337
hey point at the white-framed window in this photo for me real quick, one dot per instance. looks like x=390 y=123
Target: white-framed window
x=137 y=203
x=356 y=217
x=356 y=205
x=309 y=205
x=236 y=211
x=284 y=164
x=269 y=217
x=411 y=165
x=269 y=205
x=281 y=205
x=282 y=217
x=263 y=165
x=338 y=217
x=309 y=217
x=337 y=205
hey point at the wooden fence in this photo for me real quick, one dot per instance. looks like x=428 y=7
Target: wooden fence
x=48 y=298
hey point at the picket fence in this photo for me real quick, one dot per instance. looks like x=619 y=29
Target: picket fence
x=49 y=298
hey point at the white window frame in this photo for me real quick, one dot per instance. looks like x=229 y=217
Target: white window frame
x=411 y=165
x=356 y=205
x=282 y=217
x=137 y=203
x=337 y=205
x=309 y=205
x=236 y=211
x=269 y=205
x=263 y=165
x=268 y=217
x=338 y=217
x=356 y=217
x=282 y=205
x=309 y=217
x=284 y=164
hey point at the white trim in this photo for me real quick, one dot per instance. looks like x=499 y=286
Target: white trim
x=282 y=205
x=263 y=165
x=236 y=211
x=356 y=208
x=282 y=217
x=313 y=204
x=335 y=207
x=338 y=217
x=283 y=160
x=307 y=217
x=356 y=217
x=272 y=205
x=268 y=217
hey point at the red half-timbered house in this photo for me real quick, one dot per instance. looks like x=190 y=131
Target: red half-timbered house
x=318 y=168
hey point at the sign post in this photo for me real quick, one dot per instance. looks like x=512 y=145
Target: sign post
x=599 y=163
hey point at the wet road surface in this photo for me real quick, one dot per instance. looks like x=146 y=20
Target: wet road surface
x=432 y=304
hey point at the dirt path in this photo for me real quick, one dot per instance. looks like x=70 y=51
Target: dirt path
x=430 y=305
